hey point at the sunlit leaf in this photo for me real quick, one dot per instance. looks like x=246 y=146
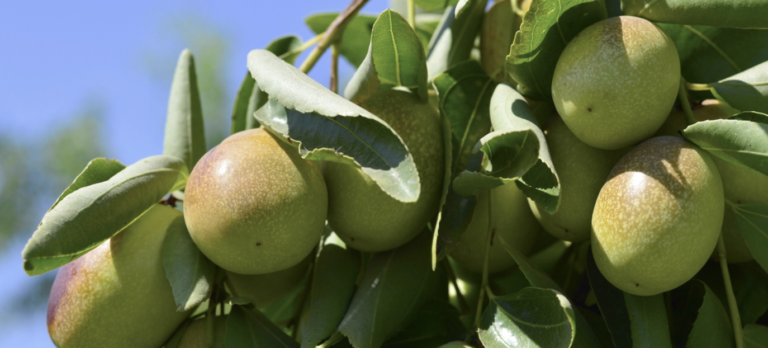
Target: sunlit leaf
x=184 y=132
x=746 y=91
x=743 y=143
x=96 y=171
x=719 y=13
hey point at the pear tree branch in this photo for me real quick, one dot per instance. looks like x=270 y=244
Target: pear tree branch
x=334 y=31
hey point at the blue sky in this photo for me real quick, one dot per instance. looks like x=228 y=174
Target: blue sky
x=56 y=57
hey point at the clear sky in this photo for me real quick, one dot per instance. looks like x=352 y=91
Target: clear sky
x=56 y=56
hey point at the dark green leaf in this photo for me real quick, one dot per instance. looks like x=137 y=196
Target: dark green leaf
x=753 y=225
x=437 y=252
x=755 y=336
x=356 y=37
x=719 y=13
x=497 y=32
x=699 y=318
x=395 y=284
x=532 y=317
x=746 y=91
x=330 y=127
x=610 y=300
x=184 y=131
x=648 y=319
x=395 y=59
x=283 y=310
x=742 y=143
x=249 y=328
x=96 y=171
x=454 y=38
x=188 y=270
x=751 y=116
x=709 y=54
x=434 y=5
x=333 y=284
x=528 y=154
x=435 y=324
x=750 y=285
x=547 y=28
x=87 y=217
x=249 y=97
x=175 y=339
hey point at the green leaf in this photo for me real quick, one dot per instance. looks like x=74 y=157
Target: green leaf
x=184 y=131
x=750 y=285
x=96 y=171
x=395 y=59
x=175 y=339
x=751 y=116
x=719 y=13
x=437 y=251
x=752 y=220
x=497 y=32
x=648 y=319
x=709 y=54
x=188 y=270
x=333 y=284
x=356 y=37
x=249 y=97
x=85 y=218
x=394 y=286
x=755 y=336
x=610 y=300
x=250 y=328
x=746 y=91
x=532 y=317
x=434 y=5
x=547 y=28
x=742 y=143
x=436 y=323
x=454 y=38
x=327 y=126
x=527 y=152
x=699 y=318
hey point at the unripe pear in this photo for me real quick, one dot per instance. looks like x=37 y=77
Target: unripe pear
x=616 y=81
x=263 y=289
x=512 y=220
x=658 y=217
x=253 y=205
x=365 y=217
x=582 y=170
x=196 y=334
x=117 y=295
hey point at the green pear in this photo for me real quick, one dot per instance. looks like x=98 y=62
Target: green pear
x=740 y=185
x=117 y=295
x=512 y=221
x=253 y=205
x=196 y=334
x=263 y=289
x=364 y=216
x=616 y=81
x=657 y=219
x=582 y=170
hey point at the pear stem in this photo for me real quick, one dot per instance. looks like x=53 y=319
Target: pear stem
x=732 y=306
x=698 y=86
x=452 y=276
x=489 y=239
x=683 y=96
x=304 y=46
x=335 y=66
x=412 y=14
x=331 y=34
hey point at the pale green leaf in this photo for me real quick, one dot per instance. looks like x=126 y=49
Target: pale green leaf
x=746 y=91
x=187 y=269
x=719 y=13
x=434 y=5
x=743 y=143
x=184 y=131
x=96 y=171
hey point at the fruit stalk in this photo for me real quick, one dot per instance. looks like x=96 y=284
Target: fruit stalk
x=332 y=33
x=412 y=14
x=732 y=306
x=683 y=96
x=303 y=47
x=335 y=66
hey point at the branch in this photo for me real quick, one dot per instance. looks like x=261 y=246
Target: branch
x=333 y=32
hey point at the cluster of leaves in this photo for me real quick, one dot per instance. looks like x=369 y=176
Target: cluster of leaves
x=491 y=110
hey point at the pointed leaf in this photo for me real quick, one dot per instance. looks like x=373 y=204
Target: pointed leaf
x=752 y=116
x=496 y=35
x=719 y=13
x=434 y=5
x=96 y=171
x=184 y=132
x=395 y=59
x=747 y=91
x=87 y=217
x=547 y=27
x=648 y=319
x=395 y=285
x=610 y=300
x=250 y=328
x=742 y=143
x=249 y=97
x=755 y=336
x=324 y=122
x=175 y=339
x=333 y=284
x=436 y=323
x=188 y=270
x=356 y=36
x=532 y=317
x=454 y=38
x=437 y=250
x=752 y=220
x=699 y=318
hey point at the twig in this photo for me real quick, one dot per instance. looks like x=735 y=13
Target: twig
x=697 y=86
x=683 y=96
x=332 y=33
x=734 y=308
x=412 y=14
x=335 y=66
x=304 y=46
